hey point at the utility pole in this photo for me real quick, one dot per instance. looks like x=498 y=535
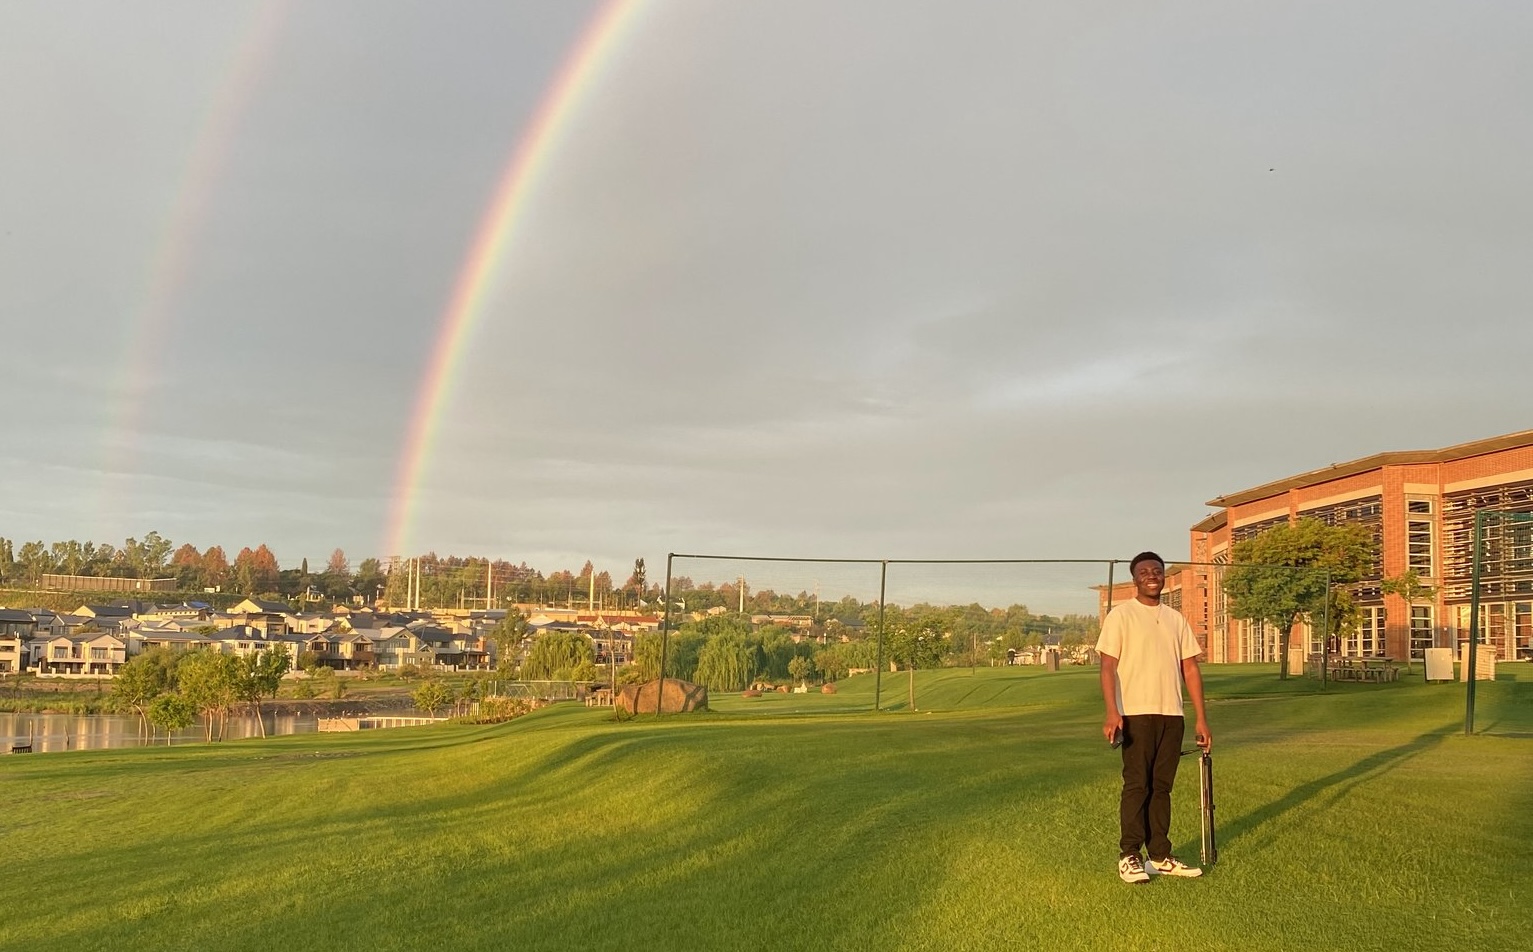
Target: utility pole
x=740 y=581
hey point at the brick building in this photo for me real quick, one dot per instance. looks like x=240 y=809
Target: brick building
x=1419 y=506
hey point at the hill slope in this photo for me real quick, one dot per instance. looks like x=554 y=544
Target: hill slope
x=1356 y=819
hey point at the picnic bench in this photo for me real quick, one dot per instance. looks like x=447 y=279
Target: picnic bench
x=1375 y=670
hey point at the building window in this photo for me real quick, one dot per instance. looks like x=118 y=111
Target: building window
x=1368 y=639
x=60 y=652
x=1419 y=538
x=98 y=654
x=1421 y=631
x=1495 y=628
x=1522 y=631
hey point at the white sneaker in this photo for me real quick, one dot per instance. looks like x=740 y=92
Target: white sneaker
x=1131 y=869
x=1171 y=866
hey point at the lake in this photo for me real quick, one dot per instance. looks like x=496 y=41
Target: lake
x=54 y=732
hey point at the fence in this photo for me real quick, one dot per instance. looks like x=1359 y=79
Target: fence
x=101 y=583
x=734 y=622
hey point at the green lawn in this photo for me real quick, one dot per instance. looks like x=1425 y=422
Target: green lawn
x=1356 y=819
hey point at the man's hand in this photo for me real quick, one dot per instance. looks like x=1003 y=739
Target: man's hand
x=1111 y=726
x=1204 y=736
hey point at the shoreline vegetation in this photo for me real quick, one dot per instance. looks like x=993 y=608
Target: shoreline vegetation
x=375 y=694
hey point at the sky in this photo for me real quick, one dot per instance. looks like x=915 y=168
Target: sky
x=853 y=279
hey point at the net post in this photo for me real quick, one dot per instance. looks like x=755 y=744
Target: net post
x=1111 y=564
x=665 y=639
x=878 y=658
x=1474 y=623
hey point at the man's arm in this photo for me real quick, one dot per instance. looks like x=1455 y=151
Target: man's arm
x=1114 y=720
x=1193 y=675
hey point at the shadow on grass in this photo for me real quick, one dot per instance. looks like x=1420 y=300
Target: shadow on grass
x=522 y=840
x=1336 y=783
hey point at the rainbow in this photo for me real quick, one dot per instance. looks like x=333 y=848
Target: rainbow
x=150 y=321
x=477 y=277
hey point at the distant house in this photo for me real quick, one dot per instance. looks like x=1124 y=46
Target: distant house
x=187 y=611
x=302 y=623
x=171 y=635
x=16 y=629
x=344 y=651
x=15 y=623
x=240 y=640
x=104 y=612
x=97 y=653
x=397 y=646
x=72 y=624
x=258 y=606
x=270 y=617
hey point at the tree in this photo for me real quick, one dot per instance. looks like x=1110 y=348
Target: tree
x=635 y=581
x=1264 y=588
x=726 y=663
x=431 y=695
x=209 y=681
x=144 y=678
x=799 y=668
x=831 y=662
x=918 y=645
x=153 y=553
x=187 y=563
x=171 y=712
x=555 y=651
x=33 y=560
x=369 y=579
x=215 y=567
x=259 y=675
x=243 y=575
x=507 y=635
x=336 y=580
x=266 y=570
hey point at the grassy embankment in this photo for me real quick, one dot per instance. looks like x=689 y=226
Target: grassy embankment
x=1358 y=819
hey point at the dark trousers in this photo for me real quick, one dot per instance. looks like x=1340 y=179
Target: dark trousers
x=1152 y=747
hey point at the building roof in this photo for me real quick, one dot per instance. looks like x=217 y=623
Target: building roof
x=1213 y=522
x=271 y=608
x=105 y=611
x=1393 y=458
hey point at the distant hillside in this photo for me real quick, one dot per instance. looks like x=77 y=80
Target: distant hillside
x=66 y=601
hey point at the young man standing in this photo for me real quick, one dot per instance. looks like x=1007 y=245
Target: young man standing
x=1148 y=650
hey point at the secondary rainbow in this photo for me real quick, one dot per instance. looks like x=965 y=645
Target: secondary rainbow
x=149 y=323
x=497 y=228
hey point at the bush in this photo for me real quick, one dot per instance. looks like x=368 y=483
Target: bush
x=496 y=709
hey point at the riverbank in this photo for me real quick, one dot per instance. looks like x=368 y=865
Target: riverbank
x=325 y=695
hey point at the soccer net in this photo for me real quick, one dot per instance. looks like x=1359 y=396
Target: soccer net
x=774 y=634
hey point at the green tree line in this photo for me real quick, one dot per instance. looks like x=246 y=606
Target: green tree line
x=169 y=689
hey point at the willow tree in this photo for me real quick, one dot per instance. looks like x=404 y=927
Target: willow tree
x=556 y=651
x=726 y=663
x=1286 y=574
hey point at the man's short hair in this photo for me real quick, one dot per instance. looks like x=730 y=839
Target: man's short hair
x=1144 y=557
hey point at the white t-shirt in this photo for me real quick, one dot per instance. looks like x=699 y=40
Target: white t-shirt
x=1150 y=643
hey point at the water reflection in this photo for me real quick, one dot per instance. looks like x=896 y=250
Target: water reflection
x=52 y=732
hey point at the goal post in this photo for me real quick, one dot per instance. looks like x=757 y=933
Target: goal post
x=1520 y=543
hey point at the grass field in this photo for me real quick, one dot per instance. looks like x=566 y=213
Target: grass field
x=1358 y=819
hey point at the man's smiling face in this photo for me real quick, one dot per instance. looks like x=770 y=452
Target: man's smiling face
x=1149 y=579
